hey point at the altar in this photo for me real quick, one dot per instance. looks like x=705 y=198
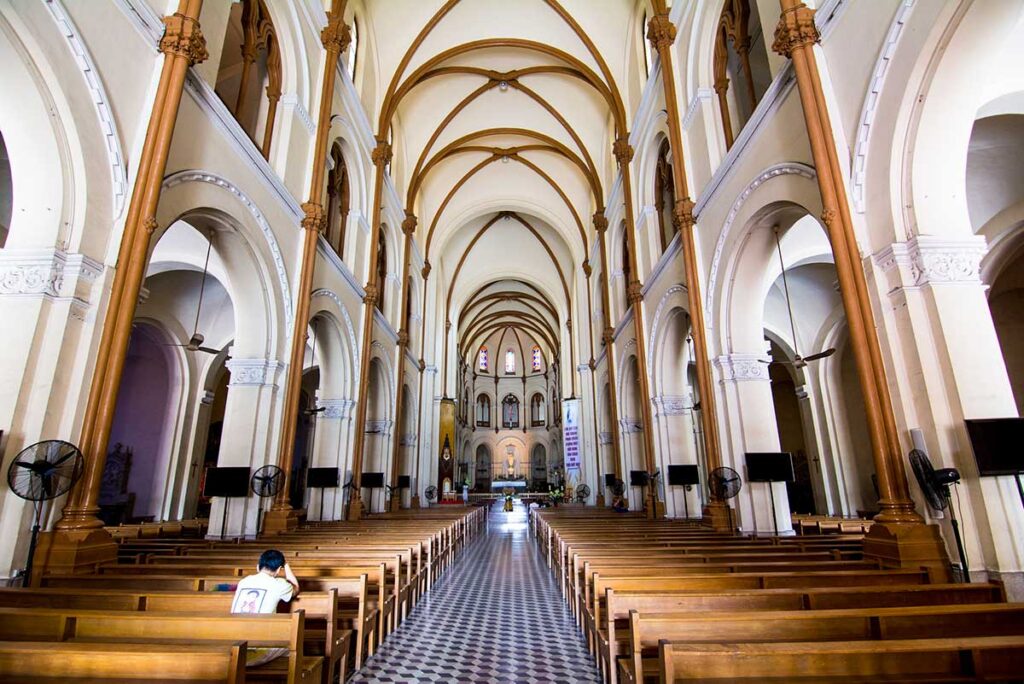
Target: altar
x=510 y=484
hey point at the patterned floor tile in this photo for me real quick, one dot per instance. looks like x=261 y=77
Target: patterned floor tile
x=496 y=616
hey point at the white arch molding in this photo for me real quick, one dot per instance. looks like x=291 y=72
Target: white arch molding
x=653 y=337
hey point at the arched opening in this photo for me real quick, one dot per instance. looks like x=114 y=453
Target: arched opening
x=510 y=361
x=632 y=426
x=249 y=75
x=537 y=410
x=483 y=469
x=483 y=411
x=510 y=411
x=536 y=360
x=664 y=195
x=790 y=424
x=382 y=267
x=483 y=360
x=1006 y=302
x=741 y=73
x=539 y=468
x=377 y=431
x=338 y=200
x=305 y=434
x=6 y=192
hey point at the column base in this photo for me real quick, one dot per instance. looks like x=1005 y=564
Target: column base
x=276 y=521
x=600 y=501
x=718 y=516
x=355 y=509
x=415 y=502
x=72 y=552
x=909 y=545
x=655 y=512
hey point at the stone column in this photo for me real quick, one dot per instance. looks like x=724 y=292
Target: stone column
x=78 y=539
x=329 y=452
x=409 y=229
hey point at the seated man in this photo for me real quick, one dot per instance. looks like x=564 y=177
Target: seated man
x=260 y=593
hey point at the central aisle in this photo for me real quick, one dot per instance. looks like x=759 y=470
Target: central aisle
x=496 y=616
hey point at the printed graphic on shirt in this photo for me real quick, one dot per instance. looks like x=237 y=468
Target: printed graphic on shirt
x=248 y=600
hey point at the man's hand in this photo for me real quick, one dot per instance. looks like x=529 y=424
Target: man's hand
x=290 y=577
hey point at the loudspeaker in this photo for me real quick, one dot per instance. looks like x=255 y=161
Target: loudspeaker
x=322 y=478
x=609 y=479
x=372 y=480
x=226 y=482
x=997 y=445
x=403 y=482
x=770 y=467
x=683 y=475
x=638 y=478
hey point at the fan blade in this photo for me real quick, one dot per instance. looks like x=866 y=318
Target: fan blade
x=208 y=350
x=63 y=458
x=26 y=466
x=168 y=344
x=820 y=355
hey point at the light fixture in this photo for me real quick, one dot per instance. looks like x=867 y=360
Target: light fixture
x=503 y=86
x=504 y=159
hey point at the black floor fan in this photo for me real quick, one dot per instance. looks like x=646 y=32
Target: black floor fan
x=935 y=485
x=724 y=483
x=38 y=474
x=266 y=483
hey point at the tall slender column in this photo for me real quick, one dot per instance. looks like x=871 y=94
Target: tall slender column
x=592 y=364
x=78 y=538
x=899 y=536
x=608 y=338
x=623 y=152
x=661 y=32
x=381 y=157
x=335 y=38
x=415 y=500
x=721 y=59
x=409 y=228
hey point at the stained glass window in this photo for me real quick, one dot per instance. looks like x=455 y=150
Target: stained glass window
x=483 y=358
x=510 y=362
x=510 y=412
x=536 y=359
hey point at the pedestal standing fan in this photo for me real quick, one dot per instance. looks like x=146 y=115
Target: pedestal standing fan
x=266 y=483
x=582 y=492
x=430 y=493
x=724 y=483
x=40 y=473
x=935 y=486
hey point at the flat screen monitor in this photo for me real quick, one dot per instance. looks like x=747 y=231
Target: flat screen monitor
x=372 y=480
x=609 y=479
x=683 y=475
x=637 y=478
x=404 y=482
x=770 y=467
x=226 y=482
x=998 y=445
x=321 y=478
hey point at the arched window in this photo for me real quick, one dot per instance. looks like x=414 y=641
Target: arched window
x=556 y=406
x=627 y=268
x=483 y=411
x=337 y=201
x=382 y=267
x=664 y=196
x=535 y=354
x=6 y=193
x=510 y=362
x=537 y=409
x=740 y=59
x=353 y=50
x=510 y=412
x=250 y=62
x=483 y=362
x=645 y=45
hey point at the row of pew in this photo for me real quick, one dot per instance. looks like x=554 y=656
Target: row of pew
x=666 y=601
x=162 y=612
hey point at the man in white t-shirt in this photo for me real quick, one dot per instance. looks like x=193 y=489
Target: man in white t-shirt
x=260 y=593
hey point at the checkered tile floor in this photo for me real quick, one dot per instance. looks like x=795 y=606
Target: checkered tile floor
x=496 y=616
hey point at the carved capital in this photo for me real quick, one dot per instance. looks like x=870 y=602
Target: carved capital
x=634 y=292
x=608 y=335
x=796 y=29
x=622 y=150
x=314 y=217
x=403 y=338
x=183 y=38
x=600 y=222
x=447 y=326
x=150 y=225
x=828 y=217
x=371 y=294
x=592 y=363
x=425 y=271
x=588 y=270
x=661 y=32
x=381 y=155
x=423 y=365
x=336 y=35
x=409 y=224
x=721 y=86
x=682 y=213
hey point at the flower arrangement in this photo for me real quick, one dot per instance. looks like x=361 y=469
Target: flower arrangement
x=556 y=495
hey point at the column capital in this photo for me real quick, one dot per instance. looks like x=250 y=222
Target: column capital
x=634 y=292
x=622 y=150
x=608 y=336
x=592 y=363
x=422 y=365
x=682 y=213
x=314 y=217
x=600 y=222
x=183 y=37
x=425 y=271
x=796 y=29
x=336 y=35
x=409 y=224
x=403 y=338
x=588 y=270
x=370 y=296
x=381 y=154
x=661 y=32
x=738 y=367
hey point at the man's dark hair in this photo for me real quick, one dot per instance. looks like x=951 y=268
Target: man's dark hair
x=271 y=559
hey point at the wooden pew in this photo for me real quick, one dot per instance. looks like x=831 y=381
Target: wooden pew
x=969 y=659
x=90 y=663
x=850 y=624
x=122 y=627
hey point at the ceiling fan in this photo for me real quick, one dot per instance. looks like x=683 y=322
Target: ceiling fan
x=798 y=361
x=195 y=343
